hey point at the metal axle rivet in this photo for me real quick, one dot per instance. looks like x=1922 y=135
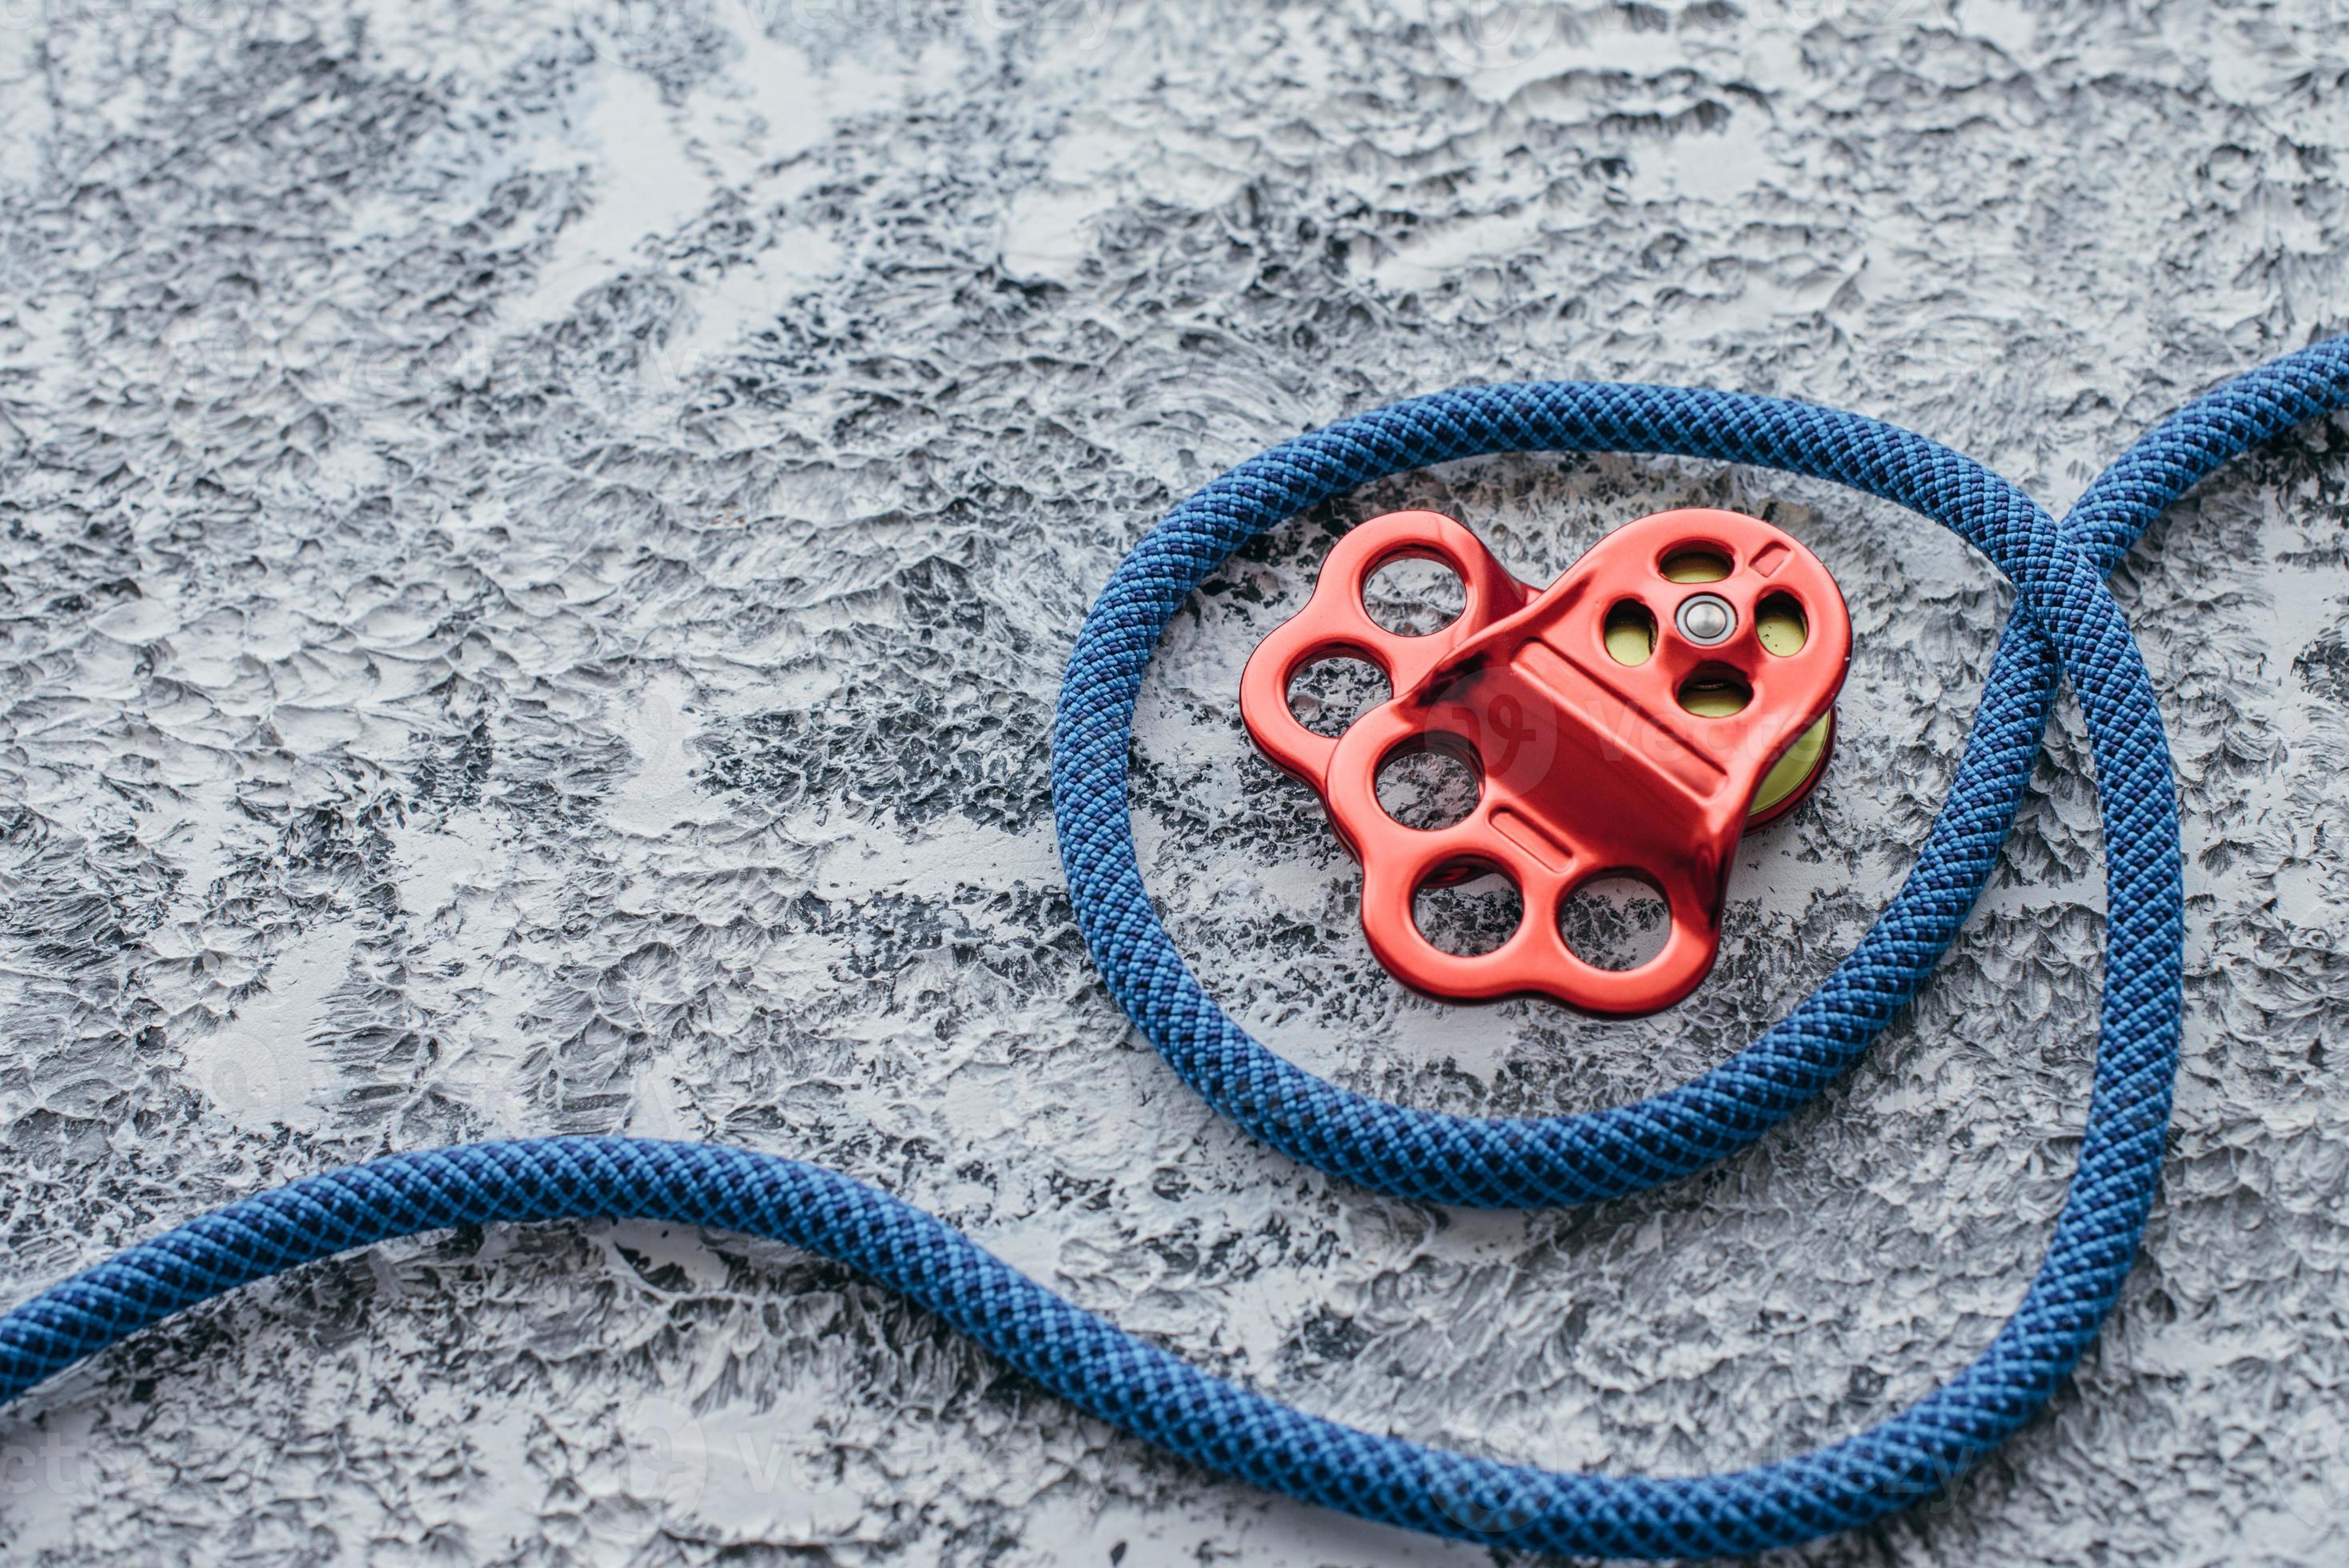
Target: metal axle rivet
x=1706 y=618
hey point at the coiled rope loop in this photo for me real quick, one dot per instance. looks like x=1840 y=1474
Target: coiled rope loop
x=2068 y=623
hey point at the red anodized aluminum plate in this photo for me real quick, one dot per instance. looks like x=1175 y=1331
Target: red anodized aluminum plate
x=1590 y=762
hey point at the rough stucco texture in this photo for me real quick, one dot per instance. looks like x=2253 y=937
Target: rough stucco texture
x=539 y=546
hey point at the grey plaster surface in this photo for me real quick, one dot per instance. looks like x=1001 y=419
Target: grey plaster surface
x=539 y=544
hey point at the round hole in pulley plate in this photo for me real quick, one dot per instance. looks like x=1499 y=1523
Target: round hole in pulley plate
x=1715 y=693
x=1329 y=693
x=1694 y=563
x=1467 y=909
x=1629 y=633
x=1412 y=596
x=1614 y=921
x=1780 y=626
x=1430 y=783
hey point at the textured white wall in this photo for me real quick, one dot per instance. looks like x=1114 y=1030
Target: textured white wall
x=539 y=546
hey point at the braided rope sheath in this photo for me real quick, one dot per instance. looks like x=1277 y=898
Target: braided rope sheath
x=2069 y=622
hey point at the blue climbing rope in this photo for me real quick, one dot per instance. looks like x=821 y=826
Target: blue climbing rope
x=2067 y=624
